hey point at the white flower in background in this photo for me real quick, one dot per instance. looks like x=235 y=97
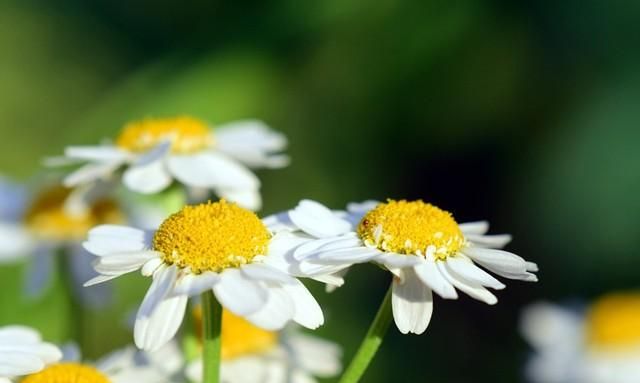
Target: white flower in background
x=23 y=352
x=599 y=344
x=121 y=366
x=214 y=246
x=419 y=243
x=155 y=152
x=54 y=220
x=254 y=355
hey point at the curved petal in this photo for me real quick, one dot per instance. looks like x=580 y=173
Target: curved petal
x=279 y=310
x=263 y=272
x=153 y=331
x=240 y=295
x=472 y=289
x=430 y=275
x=102 y=153
x=412 y=304
x=163 y=282
x=211 y=170
x=307 y=310
x=109 y=239
x=253 y=143
x=477 y=227
x=91 y=172
x=317 y=220
x=147 y=178
x=491 y=241
x=464 y=267
x=247 y=198
x=192 y=284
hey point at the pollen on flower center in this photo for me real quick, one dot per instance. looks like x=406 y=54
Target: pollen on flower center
x=67 y=373
x=240 y=337
x=211 y=237
x=410 y=227
x=614 y=321
x=49 y=218
x=186 y=134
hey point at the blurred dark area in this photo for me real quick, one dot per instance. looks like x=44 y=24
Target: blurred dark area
x=522 y=113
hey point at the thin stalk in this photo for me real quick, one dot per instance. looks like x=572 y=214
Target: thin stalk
x=75 y=314
x=211 y=326
x=370 y=343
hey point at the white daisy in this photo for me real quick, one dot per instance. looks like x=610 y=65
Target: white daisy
x=422 y=245
x=23 y=352
x=214 y=246
x=155 y=152
x=57 y=218
x=254 y=355
x=121 y=366
x=599 y=344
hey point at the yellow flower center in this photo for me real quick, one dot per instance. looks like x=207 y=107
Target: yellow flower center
x=211 y=237
x=67 y=373
x=239 y=337
x=405 y=227
x=186 y=134
x=614 y=320
x=48 y=218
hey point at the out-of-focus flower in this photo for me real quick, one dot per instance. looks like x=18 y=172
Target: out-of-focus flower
x=56 y=219
x=121 y=366
x=599 y=344
x=421 y=245
x=23 y=352
x=254 y=355
x=214 y=246
x=157 y=151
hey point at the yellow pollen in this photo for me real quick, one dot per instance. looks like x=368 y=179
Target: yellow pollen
x=614 y=321
x=211 y=237
x=239 y=337
x=47 y=217
x=410 y=227
x=186 y=134
x=67 y=373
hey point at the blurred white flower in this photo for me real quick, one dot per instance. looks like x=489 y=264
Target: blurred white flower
x=157 y=151
x=421 y=245
x=218 y=247
x=599 y=344
x=23 y=352
x=253 y=355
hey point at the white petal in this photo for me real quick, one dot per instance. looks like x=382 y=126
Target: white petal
x=18 y=334
x=192 y=284
x=464 y=267
x=397 y=261
x=153 y=332
x=472 y=289
x=109 y=239
x=547 y=326
x=478 y=227
x=279 y=310
x=317 y=220
x=147 y=178
x=12 y=364
x=15 y=242
x=310 y=247
x=316 y=355
x=345 y=256
x=307 y=310
x=252 y=142
x=238 y=294
x=91 y=172
x=163 y=282
x=496 y=260
x=157 y=153
x=247 y=198
x=492 y=241
x=123 y=263
x=532 y=267
x=429 y=274
x=99 y=279
x=212 y=170
x=261 y=272
x=412 y=304
x=96 y=153
x=313 y=270
x=150 y=267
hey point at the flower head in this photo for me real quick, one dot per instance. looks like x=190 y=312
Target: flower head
x=422 y=245
x=156 y=151
x=215 y=246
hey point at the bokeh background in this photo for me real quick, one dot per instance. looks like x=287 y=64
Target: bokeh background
x=524 y=113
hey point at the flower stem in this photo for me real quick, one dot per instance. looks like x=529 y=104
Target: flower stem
x=76 y=320
x=370 y=343
x=211 y=325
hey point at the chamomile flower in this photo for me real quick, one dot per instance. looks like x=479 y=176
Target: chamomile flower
x=254 y=355
x=596 y=344
x=54 y=219
x=23 y=352
x=421 y=245
x=154 y=152
x=121 y=366
x=217 y=247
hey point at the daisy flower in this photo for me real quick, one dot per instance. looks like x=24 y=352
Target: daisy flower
x=421 y=245
x=154 y=152
x=56 y=218
x=217 y=247
x=23 y=352
x=121 y=366
x=254 y=355
x=596 y=344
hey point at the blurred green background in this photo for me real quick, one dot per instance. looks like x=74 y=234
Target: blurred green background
x=524 y=113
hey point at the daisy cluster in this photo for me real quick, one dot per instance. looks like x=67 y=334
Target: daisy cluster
x=213 y=250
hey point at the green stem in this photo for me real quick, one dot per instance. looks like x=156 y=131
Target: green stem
x=211 y=325
x=75 y=314
x=370 y=343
